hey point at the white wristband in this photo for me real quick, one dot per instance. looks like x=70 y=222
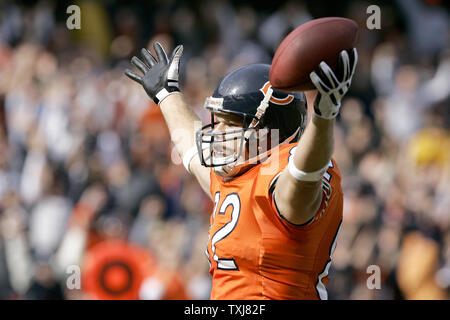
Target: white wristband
x=187 y=158
x=306 y=176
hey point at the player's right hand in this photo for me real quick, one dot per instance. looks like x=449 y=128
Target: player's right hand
x=160 y=77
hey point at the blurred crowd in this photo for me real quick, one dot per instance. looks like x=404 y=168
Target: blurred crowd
x=89 y=177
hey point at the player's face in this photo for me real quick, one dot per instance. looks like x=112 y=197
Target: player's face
x=227 y=124
x=231 y=145
x=227 y=144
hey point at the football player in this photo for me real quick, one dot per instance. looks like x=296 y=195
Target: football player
x=276 y=190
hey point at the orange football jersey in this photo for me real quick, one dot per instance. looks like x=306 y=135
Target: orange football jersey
x=254 y=253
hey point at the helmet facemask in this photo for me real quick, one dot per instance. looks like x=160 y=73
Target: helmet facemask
x=222 y=150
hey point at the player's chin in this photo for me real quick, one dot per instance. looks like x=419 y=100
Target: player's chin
x=221 y=171
x=232 y=170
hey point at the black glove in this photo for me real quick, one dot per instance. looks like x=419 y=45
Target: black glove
x=160 y=77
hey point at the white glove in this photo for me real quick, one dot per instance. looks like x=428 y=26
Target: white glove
x=331 y=90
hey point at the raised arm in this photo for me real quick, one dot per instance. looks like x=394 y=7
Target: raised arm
x=298 y=191
x=160 y=81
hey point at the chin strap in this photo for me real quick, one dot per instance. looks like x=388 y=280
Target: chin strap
x=260 y=111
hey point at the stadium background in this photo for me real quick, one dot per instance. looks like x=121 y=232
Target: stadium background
x=87 y=169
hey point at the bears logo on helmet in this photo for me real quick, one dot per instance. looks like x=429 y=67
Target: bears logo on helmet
x=279 y=101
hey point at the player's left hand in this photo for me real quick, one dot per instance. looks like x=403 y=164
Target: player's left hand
x=160 y=77
x=331 y=89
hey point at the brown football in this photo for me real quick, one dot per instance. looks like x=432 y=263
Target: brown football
x=305 y=47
